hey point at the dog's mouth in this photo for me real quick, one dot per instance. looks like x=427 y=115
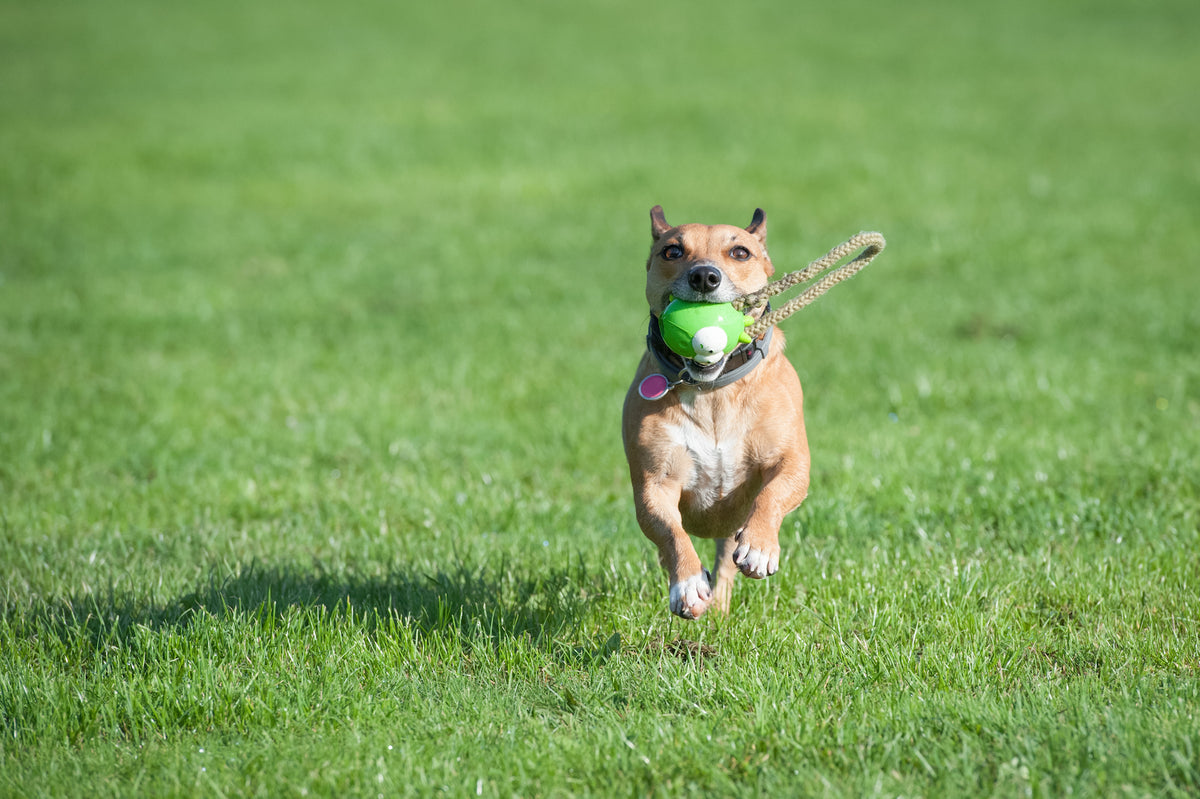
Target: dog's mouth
x=727 y=293
x=702 y=373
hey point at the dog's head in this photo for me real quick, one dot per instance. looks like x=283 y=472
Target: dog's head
x=705 y=263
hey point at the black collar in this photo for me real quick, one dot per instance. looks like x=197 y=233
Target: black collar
x=739 y=363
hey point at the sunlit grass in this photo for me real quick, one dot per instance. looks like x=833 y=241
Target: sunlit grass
x=314 y=329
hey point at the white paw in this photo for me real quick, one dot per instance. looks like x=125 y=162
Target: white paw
x=756 y=563
x=690 y=597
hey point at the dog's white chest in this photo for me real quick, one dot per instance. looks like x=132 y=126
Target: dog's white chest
x=717 y=464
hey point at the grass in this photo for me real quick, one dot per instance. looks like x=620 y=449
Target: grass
x=314 y=329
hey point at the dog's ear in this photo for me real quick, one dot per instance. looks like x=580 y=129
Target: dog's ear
x=658 y=222
x=758 y=225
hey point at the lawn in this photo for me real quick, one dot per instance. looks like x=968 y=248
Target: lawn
x=315 y=324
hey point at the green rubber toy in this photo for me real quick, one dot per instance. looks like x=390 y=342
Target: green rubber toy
x=703 y=332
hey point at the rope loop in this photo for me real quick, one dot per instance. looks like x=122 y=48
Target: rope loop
x=871 y=245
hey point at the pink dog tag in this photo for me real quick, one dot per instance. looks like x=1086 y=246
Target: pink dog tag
x=654 y=387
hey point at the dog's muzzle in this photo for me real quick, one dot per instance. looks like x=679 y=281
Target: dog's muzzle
x=705 y=373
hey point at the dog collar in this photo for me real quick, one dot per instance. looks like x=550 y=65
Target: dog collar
x=740 y=363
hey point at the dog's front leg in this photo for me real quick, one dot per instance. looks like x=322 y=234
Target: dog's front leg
x=784 y=487
x=659 y=517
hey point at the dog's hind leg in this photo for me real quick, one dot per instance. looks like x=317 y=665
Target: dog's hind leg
x=724 y=571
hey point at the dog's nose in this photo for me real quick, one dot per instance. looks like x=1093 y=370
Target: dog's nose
x=704 y=278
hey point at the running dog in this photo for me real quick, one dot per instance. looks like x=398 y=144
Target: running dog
x=715 y=450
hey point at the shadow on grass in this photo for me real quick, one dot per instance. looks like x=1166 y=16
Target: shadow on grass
x=500 y=601
x=490 y=602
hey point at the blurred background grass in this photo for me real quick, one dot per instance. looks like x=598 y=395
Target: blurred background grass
x=356 y=289
x=265 y=262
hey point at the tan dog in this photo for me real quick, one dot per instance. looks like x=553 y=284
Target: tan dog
x=721 y=454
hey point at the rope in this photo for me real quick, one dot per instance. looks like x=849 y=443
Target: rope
x=871 y=243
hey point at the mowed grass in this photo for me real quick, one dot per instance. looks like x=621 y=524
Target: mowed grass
x=314 y=329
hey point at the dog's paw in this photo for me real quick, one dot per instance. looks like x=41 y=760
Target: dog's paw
x=690 y=597
x=755 y=562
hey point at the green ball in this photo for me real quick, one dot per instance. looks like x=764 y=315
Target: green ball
x=702 y=331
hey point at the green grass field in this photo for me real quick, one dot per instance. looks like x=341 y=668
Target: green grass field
x=315 y=323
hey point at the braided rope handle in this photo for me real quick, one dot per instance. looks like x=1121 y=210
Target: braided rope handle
x=871 y=244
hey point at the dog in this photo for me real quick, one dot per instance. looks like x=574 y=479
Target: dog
x=715 y=451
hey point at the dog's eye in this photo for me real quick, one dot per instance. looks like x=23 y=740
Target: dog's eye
x=739 y=254
x=671 y=252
